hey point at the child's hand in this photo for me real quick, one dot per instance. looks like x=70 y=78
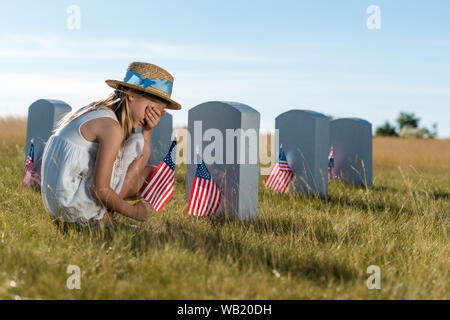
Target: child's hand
x=152 y=117
x=142 y=210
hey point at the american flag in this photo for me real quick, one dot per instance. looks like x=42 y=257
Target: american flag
x=205 y=195
x=29 y=165
x=331 y=163
x=158 y=188
x=280 y=176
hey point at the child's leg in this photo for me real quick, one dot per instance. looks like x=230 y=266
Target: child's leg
x=134 y=181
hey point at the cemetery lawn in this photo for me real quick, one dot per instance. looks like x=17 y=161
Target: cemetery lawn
x=298 y=248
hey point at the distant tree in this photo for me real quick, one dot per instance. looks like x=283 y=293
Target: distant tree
x=429 y=134
x=419 y=133
x=386 y=130
x=434 y=131
x=408 y=127
x=407 y=119
x=410 y=132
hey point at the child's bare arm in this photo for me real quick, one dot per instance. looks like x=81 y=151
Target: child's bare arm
x=109 y=135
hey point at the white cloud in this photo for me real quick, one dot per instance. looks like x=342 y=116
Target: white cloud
x=38 y=84
x=18 y=91
x=115 y=48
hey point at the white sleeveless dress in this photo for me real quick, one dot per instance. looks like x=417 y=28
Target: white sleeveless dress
x=67 y=170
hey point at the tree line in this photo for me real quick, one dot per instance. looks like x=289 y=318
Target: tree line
x=407 y=127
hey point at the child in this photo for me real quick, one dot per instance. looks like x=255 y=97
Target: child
x=95 y=161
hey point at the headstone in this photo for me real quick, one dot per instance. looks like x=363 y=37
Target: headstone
x=305 y=138
x=43 y=116
x=226 y=135
x=161 y=139
x=352 y=142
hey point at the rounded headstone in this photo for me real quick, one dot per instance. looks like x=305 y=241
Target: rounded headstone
x=43 y=116
x=351 y=139
x=226 y=136
x=304 y=136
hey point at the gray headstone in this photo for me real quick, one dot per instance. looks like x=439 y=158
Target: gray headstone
x=227 y=136
x=352 y=142
x=161 y=139
x=305 y=139
x=43 y=115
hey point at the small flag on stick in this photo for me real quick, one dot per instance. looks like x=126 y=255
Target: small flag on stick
x=158 y=188
x=331 y=163
x=29 y=165
x=205 y=196
x=280 y=176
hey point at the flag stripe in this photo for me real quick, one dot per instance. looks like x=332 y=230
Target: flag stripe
x=217 y=202
x=160 y=184
x=197 y=195
x=202 y=196
x=197 y=192
x=275 y=176
x=213 y=199
x=163 y=189
x=288 y=181
x=205 y=195
x=271 y=175
x=285 y=186
x=201 y=199
x=154 y=190
x=210 y=197
x=158 y=188
x=276 y=179
x=166 y=194
x=207 y=198
x=280 y=176
x=29 y=166
x=194 y=197
x=279 y=181
x=193 y=193
x=154 y=176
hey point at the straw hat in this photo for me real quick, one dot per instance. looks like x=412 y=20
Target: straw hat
x=148 y=78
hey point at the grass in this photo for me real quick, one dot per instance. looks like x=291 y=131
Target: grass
x=298 y=248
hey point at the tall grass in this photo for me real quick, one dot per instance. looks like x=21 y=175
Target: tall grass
x=430 y=155
x=298 y=248
x=12 y=131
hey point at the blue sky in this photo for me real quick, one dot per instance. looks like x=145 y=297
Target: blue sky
x=273 y=56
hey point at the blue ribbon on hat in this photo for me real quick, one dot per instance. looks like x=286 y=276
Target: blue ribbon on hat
x=161 y=84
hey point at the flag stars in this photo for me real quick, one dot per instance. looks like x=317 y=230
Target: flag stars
x=202 y=172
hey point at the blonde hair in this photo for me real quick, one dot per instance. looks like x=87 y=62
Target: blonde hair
x=117 y=101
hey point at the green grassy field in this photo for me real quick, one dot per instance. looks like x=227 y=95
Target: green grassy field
x=298 y=248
